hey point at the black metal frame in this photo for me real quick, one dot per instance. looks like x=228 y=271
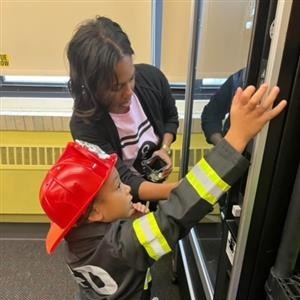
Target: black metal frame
x=257 y=61
x=280 y=160
x=278 y=171
x=260 y=41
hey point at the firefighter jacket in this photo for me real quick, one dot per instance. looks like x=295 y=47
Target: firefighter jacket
x=111 y=261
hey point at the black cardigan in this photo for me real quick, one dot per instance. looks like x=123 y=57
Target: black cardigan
x=154 y=94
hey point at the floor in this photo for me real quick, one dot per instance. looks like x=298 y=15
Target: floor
x=28 y=273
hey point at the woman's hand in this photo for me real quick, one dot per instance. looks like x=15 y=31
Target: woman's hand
x=251 y=109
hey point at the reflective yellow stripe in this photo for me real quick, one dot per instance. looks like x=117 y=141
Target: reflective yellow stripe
x=211 y=173
x=200 y=189
x=156 y=230
x=137 y=225
x=206 y=182
x=148 y=279
x=150 y=236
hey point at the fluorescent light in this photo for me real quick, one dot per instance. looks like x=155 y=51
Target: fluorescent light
x=36 y=79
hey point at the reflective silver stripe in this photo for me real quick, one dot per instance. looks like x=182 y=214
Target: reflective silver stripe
x=148 y=279
x=207 y=183
x=150 y=236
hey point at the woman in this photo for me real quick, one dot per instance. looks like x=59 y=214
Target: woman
x=121 y=107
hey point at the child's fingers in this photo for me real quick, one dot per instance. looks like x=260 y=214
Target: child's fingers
x=246 y=94
x=251 y=98
x=276 y=110
x=269 y=100
x=237 y=94
x=257 y=96
x=139 y=207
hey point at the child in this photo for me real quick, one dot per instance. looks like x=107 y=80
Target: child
x=107 y=249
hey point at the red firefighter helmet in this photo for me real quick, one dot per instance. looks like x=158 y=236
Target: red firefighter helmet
x=70 y=186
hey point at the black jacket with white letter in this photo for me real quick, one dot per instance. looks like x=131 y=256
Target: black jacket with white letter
x=110 y=261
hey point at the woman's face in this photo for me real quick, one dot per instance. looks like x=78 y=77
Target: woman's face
x=118 y=98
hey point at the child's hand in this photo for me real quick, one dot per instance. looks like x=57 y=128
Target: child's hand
x=139 y=209
x=249 y=112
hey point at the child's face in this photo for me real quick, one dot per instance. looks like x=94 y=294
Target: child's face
x=113 y=202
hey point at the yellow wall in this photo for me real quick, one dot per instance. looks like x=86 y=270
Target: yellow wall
x=19 y=185
x=34 y=33
x=175 y=39
x=223 y=39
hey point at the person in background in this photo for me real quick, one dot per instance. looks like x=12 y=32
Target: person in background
x=215 y=122
x=121 y=107
x=215 y=119
x=110 y=241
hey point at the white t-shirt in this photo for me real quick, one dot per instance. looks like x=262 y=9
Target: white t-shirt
x=137 y=136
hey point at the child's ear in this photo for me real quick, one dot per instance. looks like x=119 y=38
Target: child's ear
x=96 y=215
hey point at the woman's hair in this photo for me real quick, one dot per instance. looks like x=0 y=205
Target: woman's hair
x=93 y=53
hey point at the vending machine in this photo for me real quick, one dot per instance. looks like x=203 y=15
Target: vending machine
x=253 y=252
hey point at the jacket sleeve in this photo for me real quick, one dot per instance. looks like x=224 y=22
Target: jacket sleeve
x=156 y=234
